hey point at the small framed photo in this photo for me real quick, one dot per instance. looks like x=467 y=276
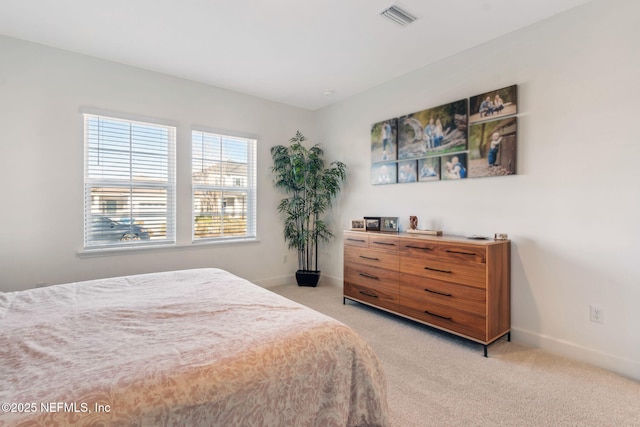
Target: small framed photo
x=384 y=173
x=495 y=104
x=358 y=225
x=372 y=223
x=389 y=223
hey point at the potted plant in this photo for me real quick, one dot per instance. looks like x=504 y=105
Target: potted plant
x=310 y=187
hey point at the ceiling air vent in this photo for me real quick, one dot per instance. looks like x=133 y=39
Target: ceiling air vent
x=395 y=14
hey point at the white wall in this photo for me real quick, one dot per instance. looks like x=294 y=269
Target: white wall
x=572 y=210
x=41 y=165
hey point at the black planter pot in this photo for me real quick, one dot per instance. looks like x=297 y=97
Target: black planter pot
x=307 y=277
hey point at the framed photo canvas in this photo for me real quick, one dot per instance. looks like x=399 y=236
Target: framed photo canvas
x=429 y=169
x=384 y=173
x=408 y=171
x=493 y=148
x=454 y=167
x=494 y=105
x=384 y=137
x=435 y=131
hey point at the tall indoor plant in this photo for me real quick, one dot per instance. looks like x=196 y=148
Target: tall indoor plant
x=310 y=187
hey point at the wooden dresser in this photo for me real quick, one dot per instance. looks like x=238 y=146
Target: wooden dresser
x=456 y=284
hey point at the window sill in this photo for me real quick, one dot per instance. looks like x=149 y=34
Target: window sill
x=100 y=252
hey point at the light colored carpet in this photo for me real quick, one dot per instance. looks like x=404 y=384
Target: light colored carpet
x=437 y=379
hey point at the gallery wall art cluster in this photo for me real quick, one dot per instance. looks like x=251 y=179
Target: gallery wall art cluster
x=469 y=138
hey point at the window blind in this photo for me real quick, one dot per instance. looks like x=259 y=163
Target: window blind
x=224 y=186
x=129 y=183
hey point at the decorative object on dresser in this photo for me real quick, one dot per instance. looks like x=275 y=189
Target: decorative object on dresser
x=451 y=283
x=413 y=222
x=310 y=187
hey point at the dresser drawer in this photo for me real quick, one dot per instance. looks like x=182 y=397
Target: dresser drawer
x=418 y=248
x=462 y=297
x=374 y=278
x=384 y=242
x=371 y=258
x=358 y=239
x=462 y=322
x=374 y=286
x=462 y=253
x=471 y=274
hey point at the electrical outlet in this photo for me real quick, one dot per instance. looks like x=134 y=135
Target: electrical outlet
x=284 y=259
x=597 y=314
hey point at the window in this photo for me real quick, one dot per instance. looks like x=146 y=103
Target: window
x=224 y=187
x=129 y=183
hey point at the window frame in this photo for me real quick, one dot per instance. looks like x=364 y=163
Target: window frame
x=168 y=185
x=250 y=189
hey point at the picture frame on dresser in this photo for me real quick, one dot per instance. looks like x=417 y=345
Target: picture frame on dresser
x=372 y=223
x=358 y=225
x=389 y=223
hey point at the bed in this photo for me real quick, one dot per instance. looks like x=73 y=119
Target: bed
x=195 y=347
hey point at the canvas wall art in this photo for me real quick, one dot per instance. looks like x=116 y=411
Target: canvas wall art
x=429 y=169
x=408 y=171
x=435 y=131
x=494 y=105
x=469 y=138
x=384 y=137
x=454 y=167
x=384 y=173
x=493 y=148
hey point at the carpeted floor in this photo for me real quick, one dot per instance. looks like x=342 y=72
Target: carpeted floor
x=437 y=379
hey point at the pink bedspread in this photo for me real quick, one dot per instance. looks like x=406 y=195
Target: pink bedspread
x=186 y=348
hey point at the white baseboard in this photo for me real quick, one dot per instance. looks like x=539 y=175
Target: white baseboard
x=625 y=367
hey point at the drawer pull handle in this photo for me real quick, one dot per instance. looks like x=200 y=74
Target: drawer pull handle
x=418 y=247
x=356 y=240
x=368 y=295
x=439 y=271
x=437 y=315
x=384 y=243
x=369 y=276
x=436 y=292
x=460 y=252
x=368 y=257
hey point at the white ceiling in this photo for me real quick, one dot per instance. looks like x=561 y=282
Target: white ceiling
x=288 y=51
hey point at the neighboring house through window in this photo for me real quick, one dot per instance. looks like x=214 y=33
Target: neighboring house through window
x=129 y=183
x=224 y=187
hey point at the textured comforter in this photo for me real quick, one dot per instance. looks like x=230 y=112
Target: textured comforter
x=184 y=348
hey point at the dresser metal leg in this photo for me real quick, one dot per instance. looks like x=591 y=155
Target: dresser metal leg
x=509 y=336
x=485 y=350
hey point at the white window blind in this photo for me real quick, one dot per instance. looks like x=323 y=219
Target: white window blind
x=129 y=183
x=224 y=186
